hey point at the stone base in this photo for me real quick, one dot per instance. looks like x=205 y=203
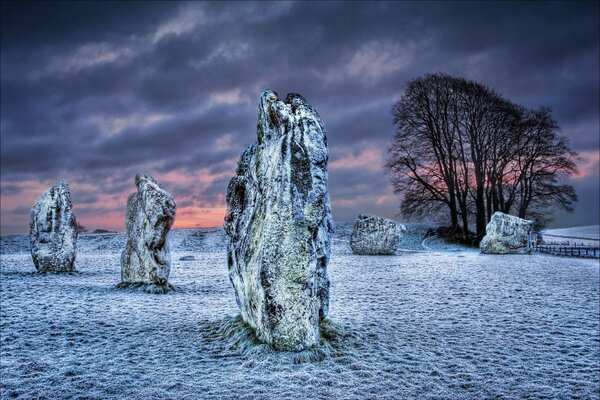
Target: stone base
x=238 y=334
x=71 y=271
x=53 y=270
x=147 y=287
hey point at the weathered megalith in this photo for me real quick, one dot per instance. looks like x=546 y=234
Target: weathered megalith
x=146 y=259
x=53 y=230
x=278 y=224
x=374 y=235
x=506 y=234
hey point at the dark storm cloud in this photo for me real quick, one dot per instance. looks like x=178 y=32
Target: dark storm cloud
x=99 y=91
x=37 y=24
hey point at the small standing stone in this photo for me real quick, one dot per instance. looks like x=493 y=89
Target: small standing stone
x=53 y=231
x=506 y=234
x=374 y=235
x=146 y=259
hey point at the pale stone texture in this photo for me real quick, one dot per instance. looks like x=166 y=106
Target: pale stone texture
x=278 y=224
x=506 y=234
x=374 y=235
x=53 y=230
x=146 y=259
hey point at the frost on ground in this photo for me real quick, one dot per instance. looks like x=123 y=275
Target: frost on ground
x=416 y=325
x=580 y=236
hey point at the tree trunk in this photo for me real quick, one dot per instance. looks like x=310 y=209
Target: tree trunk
x=453 y=212
x=480 y=211
x=488 y=198
x=495 y=202
x=465 y=222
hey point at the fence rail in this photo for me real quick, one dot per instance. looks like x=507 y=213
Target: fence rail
x=593 y=239
x=571 y=251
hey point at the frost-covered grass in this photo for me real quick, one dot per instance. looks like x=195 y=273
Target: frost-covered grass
x=416 y=325
x=588 y=232
x=588 y=236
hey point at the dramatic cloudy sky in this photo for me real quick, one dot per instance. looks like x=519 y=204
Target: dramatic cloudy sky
x=95 y=92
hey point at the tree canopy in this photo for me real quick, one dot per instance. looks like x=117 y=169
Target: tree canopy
x=462 y=151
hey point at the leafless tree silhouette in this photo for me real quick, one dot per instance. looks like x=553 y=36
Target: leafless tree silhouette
x=462 y=150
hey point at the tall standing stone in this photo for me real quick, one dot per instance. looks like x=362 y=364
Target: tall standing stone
x=506 y=234
x=53 y=230
x=278 y=224
x=146 y=260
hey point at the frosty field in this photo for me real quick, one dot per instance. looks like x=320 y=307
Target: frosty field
x=582 y=236
x=427 y=324
x=591 y=232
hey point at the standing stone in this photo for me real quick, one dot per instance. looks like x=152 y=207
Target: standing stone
x=278 y=224
x=373 y=235
x=53 y=230
x=506 y=234
x=146 y=260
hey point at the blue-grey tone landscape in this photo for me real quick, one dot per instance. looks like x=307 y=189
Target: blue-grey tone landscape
x=299 y=200
x=443 y=323
x=96 y=92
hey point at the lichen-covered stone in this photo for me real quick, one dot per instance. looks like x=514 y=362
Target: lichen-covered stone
x=278 y=224
x=53 y=230
x=506 y=234
x=146 y=259
x=374 y=235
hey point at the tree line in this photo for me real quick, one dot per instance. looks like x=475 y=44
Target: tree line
x=462 y=151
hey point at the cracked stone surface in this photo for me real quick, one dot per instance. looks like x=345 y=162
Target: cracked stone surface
x=146 y=259
x=506 y=234
x=53 y=230
x=278 y=224
x=374 y=235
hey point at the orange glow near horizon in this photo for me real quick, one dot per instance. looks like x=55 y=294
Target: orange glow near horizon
x=199 y=217
x=97 y=209
x=107 y=211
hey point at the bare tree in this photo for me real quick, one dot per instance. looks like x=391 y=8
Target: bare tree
x=460 y=148
x=544 y=161
x=424 y=161
x=80 y=228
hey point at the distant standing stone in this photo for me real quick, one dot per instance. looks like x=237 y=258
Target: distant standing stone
x=278 y=223
x=374 y=235
x=146 y=260
x=53 y=231
x=506 y=234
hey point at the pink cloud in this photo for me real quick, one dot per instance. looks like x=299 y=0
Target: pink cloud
x=370 y=158
x=589 y=164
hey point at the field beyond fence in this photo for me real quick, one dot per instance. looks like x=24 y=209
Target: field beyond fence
x=570 y=242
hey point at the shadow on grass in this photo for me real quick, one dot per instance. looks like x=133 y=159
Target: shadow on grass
x=237 y=336
x=147 y=287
